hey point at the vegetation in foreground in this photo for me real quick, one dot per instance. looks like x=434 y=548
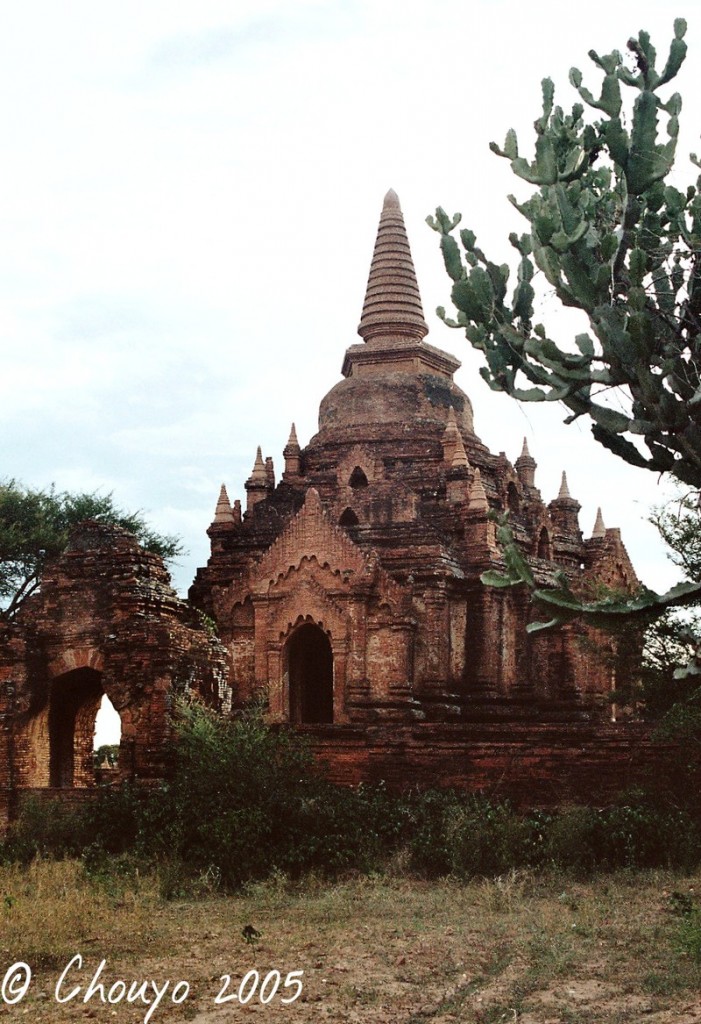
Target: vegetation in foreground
x=245 y=801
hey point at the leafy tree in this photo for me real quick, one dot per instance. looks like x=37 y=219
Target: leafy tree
x=35 y=524
x=672 y=656
x=612 y=238
x=679 y=524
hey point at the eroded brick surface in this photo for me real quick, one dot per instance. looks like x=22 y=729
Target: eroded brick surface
x=106 y=621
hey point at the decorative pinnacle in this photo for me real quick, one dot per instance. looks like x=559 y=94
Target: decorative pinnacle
x=258 y=476
x=599 y=528
x=392 y=301
x=451 y=437
x=478 y=495
x=564 y=489
x=525 y=454
x=223 y=512
x=292 y=441
x=526 y=466
x=312 y=501
x=460 y=459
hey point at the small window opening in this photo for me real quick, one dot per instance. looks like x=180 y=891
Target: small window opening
x=349 y=518
x=358 y=478
x=512 y=498
x=108 y=734
x=544 y=549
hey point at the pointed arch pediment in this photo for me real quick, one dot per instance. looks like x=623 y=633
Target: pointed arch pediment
x=310 y=534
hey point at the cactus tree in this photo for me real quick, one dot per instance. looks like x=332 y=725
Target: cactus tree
x=612 y=238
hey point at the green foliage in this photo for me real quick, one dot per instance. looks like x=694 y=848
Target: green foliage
x=106 y=755
x=43 y=828
x=261 y=805
x=463 y=835
x=672 y=653
x=563 y=605
x=689 y=936
x=679 y=525
x=613 y=240
x=245 y=802
x=35 y=525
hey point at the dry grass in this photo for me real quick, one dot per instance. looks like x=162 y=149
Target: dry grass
x=528 y=948
x=51 y=908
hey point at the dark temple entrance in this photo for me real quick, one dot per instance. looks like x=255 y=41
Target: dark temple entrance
x=310 y=667
x=75 y=700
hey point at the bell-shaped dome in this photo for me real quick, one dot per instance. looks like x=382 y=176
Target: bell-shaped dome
x=394 y=379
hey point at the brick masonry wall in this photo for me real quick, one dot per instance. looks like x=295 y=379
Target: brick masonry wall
x=534 y=765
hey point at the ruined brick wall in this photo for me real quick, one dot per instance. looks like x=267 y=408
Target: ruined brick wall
x=106 y=621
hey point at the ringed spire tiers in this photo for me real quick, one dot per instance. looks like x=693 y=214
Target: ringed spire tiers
x=392 y=300
x=393 y=376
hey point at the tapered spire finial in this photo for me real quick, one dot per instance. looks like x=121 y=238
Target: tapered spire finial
x=599 y=528
x=392 y=301
x=223 y=512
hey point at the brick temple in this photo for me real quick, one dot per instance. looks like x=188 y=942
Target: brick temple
x=349 y=590
x=346 y=595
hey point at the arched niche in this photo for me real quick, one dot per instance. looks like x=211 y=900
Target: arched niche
x=358 y=478
x=348 y=518
x=309 y=663
x=513 y=500
x=544 y=546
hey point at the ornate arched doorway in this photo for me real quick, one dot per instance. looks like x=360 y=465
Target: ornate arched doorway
x=310 y=673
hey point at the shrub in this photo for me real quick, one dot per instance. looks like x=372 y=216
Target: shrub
x=464 y=835
x=245 y=800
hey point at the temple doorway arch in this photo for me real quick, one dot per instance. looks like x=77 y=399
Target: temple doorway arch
x=74 y=702
x=310 y=672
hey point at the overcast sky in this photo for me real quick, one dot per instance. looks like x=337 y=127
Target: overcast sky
x=190 y=195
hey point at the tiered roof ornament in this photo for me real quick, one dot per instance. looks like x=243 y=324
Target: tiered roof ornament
x=392 y=300
x=460 y=459
x=599 y=530
x=258 y=482
x=526 y=466
x=451 y=438
x=258 y=475
x=478 y=495
x=292 y=455
x=223 y=512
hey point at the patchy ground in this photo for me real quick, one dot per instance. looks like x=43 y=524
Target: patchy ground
x=537 y=950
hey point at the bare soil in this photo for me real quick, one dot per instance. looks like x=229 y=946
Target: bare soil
x=537 y=950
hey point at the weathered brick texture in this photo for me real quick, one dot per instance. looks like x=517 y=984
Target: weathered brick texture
x=105 y=621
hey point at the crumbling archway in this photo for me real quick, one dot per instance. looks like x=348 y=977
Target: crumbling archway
x=73 y=705
x=310 y=672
